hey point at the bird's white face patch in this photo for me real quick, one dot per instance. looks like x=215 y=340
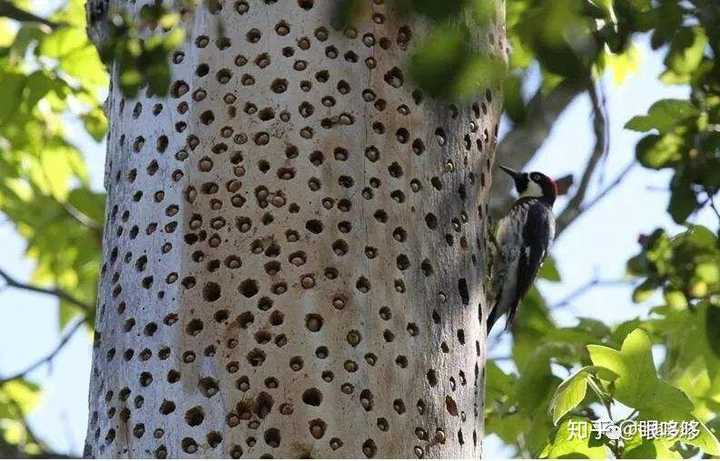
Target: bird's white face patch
x=533 y=190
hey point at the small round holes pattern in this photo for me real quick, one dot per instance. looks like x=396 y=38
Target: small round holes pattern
x=293 y=250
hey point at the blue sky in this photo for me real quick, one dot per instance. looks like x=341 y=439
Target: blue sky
x=599 y=243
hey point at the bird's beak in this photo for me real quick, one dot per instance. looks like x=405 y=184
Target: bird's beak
x=514 y=174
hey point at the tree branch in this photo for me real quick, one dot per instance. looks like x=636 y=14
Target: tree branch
x=581 y=290
x=600 y=126
x=595 y=200
x=50 y=356
x=711 y=200
x=521 y=144
x=57 y=292
x=82 y=218
x=8 y=10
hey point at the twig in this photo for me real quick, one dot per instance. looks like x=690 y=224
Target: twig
x=614 y=183
x=600 y=122
x=521 y=143
x=563 y=225
x=57 y=292
x=582 y=289
x=50 y=356
x=8 y=10
x=711 y=199
x=81 y=217
x=598 y=99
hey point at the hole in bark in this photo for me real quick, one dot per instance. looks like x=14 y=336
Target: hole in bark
x=313 y=322
x=249 y=288
x=312 y=397
x=263 y=404
x=432 y=378
x=214 y=439
x=463 y=290
x=194 y=416
x=208 y=386
x=317 y=428
x=194 y=327
x=272 y=437
x=369 y=448
x=167 y=407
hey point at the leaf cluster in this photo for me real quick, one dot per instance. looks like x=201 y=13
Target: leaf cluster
x=51 y=85
x=682 y=134
x=139 y=49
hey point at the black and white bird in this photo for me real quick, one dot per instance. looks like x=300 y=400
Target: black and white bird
x=522 y=240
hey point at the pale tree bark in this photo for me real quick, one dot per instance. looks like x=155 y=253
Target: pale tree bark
x=294 y=251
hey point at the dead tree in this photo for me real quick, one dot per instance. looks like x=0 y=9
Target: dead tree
x=294 y=251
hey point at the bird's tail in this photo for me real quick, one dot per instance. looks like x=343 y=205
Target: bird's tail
x=492 y=318
x=510 y=320
x=495 y=314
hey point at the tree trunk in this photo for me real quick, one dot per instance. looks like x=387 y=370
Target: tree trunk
x=294 y=251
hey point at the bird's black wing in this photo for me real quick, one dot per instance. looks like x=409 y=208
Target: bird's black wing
x=536 y=239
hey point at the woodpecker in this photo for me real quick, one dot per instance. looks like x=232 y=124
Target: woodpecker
x=522 y=240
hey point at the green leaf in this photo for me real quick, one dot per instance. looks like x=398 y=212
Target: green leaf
x=85 y=65
x=438 y=10
x=513 y=98
x=548 y=271
x=434 y=65
x=624 y=64
x=637 y=386
x=683 y=200
x=675 y=299
x=569 y=394
x=656 y=152
x=663 y=116
x=595 y=327
x=11 y=90
x=686 y=51
x=95 y=123
x=667 y=19
x=644 y=291
x=536 y=381
x=479 y=72
x=652 y=449
x=570 y=442
x=509 y=427
x=67 y=313
x=38 y=85
x=712 y=328
x=62 y=42
x=705 y=441
x=559 y=34
x=701 y=238
x=90 y=204
x=499 y=384
x=19 y=392
x=530 y=328
x=58 y=165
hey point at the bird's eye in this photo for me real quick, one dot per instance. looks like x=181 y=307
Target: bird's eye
x=535 y=177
